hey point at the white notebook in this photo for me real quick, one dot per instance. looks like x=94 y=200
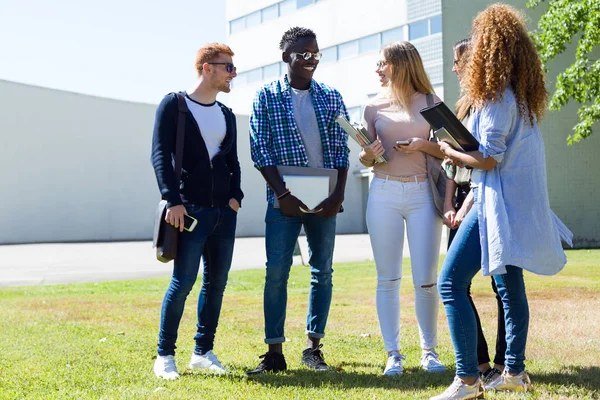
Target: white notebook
x=311 y=190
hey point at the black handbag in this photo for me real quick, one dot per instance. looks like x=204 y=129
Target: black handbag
x=166 y=236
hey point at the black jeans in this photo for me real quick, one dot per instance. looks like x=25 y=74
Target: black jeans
x=483 y=355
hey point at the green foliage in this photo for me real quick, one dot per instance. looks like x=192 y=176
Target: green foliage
x=563 y=21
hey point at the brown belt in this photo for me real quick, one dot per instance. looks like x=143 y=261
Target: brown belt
x=414 y=178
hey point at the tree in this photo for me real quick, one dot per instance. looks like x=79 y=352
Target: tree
x=564 y=20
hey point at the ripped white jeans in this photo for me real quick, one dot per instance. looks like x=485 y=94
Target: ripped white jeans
x=390 y=205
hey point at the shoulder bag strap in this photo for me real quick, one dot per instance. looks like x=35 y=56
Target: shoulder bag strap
x=182 y=107
x=429 y=99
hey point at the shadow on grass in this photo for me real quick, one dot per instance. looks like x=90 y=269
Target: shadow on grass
x=413 y=379
x=572 y=375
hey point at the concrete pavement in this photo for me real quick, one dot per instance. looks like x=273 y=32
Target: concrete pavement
x=54 y=263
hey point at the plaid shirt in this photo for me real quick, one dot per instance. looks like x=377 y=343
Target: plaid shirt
x=275 y=138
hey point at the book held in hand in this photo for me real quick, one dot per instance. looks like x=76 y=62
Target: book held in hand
x=356 y=131
x=448 y=128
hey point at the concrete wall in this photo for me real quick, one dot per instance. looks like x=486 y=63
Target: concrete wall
x=77 y=168
x=573 y=176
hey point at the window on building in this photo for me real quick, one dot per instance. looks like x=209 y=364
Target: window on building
x=287 y=7
x=355 y=114
x=253 y=19
x=283 y=67
x=329 y=54
x=435 y=24
x=271 y=71
x=303 y=3
x=240 y=79
x=369 y=43
x=237 y=25
x=254 y=75
x=392 y=35
x=418 y=29
x=348 y=49
x=271 y=12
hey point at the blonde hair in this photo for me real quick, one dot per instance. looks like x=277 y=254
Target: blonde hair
x=408 y=73
x=502 y=56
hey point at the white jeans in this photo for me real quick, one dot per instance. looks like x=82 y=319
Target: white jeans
x=390 y=204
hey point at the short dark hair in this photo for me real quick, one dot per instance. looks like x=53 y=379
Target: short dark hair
x=294 y=34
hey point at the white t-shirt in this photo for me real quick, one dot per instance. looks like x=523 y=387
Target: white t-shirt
x=211 y=121
x=306 y=120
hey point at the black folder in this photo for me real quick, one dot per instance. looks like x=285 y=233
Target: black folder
x=445 y=122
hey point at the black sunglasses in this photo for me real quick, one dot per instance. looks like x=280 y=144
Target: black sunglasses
x=230 y=66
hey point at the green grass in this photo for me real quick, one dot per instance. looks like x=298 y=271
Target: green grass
x=97 y=341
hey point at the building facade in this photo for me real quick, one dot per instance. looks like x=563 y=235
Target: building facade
x=350 y=35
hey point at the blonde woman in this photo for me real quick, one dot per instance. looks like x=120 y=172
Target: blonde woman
x=399 y=195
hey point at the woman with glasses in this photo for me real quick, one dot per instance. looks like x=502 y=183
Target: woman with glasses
x=400 y=194
x=510 y=227
x=458 y=202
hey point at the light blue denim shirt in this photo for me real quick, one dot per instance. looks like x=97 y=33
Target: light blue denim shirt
x=516 y=225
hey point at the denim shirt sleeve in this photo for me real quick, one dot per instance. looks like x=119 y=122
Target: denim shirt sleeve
x=496 y=121
x=260 y=133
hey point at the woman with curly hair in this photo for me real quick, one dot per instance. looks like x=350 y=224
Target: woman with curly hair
x=399 y=194
x=502 y=234
x=458 y=202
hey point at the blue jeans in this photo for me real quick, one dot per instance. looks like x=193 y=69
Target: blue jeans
x=281 y=236
x=212 y=240
x=462 y=262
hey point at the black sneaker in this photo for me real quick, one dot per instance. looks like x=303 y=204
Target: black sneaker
x=272 y=362
x=490 y=375
x=313 y=358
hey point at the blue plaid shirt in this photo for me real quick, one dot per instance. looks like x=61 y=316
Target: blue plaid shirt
x=275 y=138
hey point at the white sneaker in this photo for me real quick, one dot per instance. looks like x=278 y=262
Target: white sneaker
x=164 y=367
x=509 y=383
x=208 y=361
x=394 y=364
x=459 y=390
x=430 y=361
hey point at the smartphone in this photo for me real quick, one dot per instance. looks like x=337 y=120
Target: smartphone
x=402 y=142
x=189 y=223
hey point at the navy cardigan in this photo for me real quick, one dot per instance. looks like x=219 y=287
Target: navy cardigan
x=204 y=182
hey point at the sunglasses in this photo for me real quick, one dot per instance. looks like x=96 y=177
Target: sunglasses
x=308 y=55
x=381 y=64
x=230 y=66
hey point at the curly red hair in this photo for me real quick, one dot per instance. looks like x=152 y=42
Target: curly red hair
x=502 y=56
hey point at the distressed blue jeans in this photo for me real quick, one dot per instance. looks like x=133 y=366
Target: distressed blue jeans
x=212 y=240
x=280 y=237
x=462 y=262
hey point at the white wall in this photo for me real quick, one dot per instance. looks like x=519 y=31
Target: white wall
x=77 y=168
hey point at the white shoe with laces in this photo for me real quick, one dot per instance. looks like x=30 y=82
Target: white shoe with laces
x=164 y=367
x=394 y=364
x=460 y=390
x=207 y=361
x=510 y=383
x=430 y=361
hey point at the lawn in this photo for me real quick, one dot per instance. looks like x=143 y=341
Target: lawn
x=97 y=341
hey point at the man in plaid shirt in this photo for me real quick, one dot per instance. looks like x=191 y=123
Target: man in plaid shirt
x=293 y=123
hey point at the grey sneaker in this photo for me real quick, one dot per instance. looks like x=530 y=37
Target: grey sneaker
x=459 y=390
x=207 y=361
x=430 y=361
x=313 y=358
x=164 y=367
x=394 y=364
x=510 y=383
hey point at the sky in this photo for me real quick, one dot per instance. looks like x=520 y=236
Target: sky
x=135 y=50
